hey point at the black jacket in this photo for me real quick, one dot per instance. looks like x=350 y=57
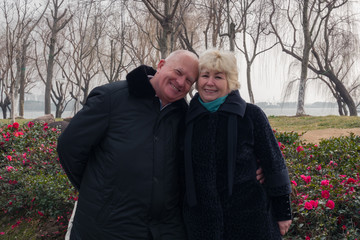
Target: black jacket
x=120 y=151
x=224 y=199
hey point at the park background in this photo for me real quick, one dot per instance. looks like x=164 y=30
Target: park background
x=296 y=58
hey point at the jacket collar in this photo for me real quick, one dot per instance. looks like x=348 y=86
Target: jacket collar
x=138 y=82
x=233 y=104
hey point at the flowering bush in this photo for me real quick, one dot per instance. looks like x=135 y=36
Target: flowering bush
x=326 y=184
x=32 y=182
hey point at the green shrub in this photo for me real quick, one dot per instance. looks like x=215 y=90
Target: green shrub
x=32 y=182
x=325 y=181
x=287 y=137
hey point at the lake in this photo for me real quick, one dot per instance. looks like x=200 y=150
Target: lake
x=268 y=112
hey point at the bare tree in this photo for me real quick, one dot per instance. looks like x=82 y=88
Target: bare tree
x=57 y=23
x=59 y=87
x=141 y=41
x=201 y=24
x=231 y=27
x=27 y=28
x=321 y=42
x=255 y=29
x=4 y=75
x=164 y=12
x=112 y=57
x=20 y=21
x=4 y=98
x=82 y=37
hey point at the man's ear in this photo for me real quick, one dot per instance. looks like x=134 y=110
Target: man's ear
x=160 y=64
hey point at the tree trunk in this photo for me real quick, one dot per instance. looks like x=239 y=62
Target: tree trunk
x=49 y=73
x=22 y=78
x=300 y=111
x=345 y=95
x=248 y=77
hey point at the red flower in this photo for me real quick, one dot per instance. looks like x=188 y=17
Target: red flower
x=30 y=124
x=45 y=128
x=325 y=182
x=9 y=168
x=281 y=146
x=318 y=167
x=308 y=206
x=343 y=227
x=307 y=238
x=325 y=194
x=314 y=203
x=351 y=180
x=15 y=125
x=293 y=182
x=9 y=157
x=40 y=213
x=299 y=149
x=330 y=204
x=13 y=182
x=306 y=179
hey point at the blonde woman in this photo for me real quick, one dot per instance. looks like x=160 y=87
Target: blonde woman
x=225 y=136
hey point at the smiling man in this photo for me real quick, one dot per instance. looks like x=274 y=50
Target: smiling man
x=121 y=152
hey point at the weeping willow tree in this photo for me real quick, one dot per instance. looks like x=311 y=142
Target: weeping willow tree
x=326 y=47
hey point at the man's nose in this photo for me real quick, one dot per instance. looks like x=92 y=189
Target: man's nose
x=181 y=81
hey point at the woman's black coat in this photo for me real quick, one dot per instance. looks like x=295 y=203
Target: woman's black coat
x=120 y=152
x=224 y=201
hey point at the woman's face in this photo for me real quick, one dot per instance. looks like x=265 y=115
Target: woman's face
x=212 y=85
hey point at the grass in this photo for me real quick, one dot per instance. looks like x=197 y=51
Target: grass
x=285 y=123
x=306 y=123
x=21 y=121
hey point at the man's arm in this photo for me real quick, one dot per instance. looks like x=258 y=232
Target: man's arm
x=84 y=132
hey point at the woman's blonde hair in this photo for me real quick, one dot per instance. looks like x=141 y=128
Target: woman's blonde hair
x=222 y=61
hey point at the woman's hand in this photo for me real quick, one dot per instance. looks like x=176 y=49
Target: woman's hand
x=260 y=175
x=284 y=226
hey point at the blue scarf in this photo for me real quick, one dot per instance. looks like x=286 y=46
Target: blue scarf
x=213 y=106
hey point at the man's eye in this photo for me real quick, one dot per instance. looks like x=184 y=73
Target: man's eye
x=204 y=76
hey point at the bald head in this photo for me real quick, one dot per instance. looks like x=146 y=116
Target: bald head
x=179 y=53
x=175 y=75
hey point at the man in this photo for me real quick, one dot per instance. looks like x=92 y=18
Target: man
x=120 y=152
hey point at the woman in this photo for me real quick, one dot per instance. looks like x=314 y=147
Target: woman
x=225 y=136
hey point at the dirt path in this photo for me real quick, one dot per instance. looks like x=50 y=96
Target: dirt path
x=314 y=136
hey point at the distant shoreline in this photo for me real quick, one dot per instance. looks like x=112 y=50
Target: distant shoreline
x=35 y=109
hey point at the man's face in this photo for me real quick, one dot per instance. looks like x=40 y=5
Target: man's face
x=175 y=77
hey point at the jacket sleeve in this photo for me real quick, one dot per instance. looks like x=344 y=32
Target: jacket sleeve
x=267 y=150
x=84 y=131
